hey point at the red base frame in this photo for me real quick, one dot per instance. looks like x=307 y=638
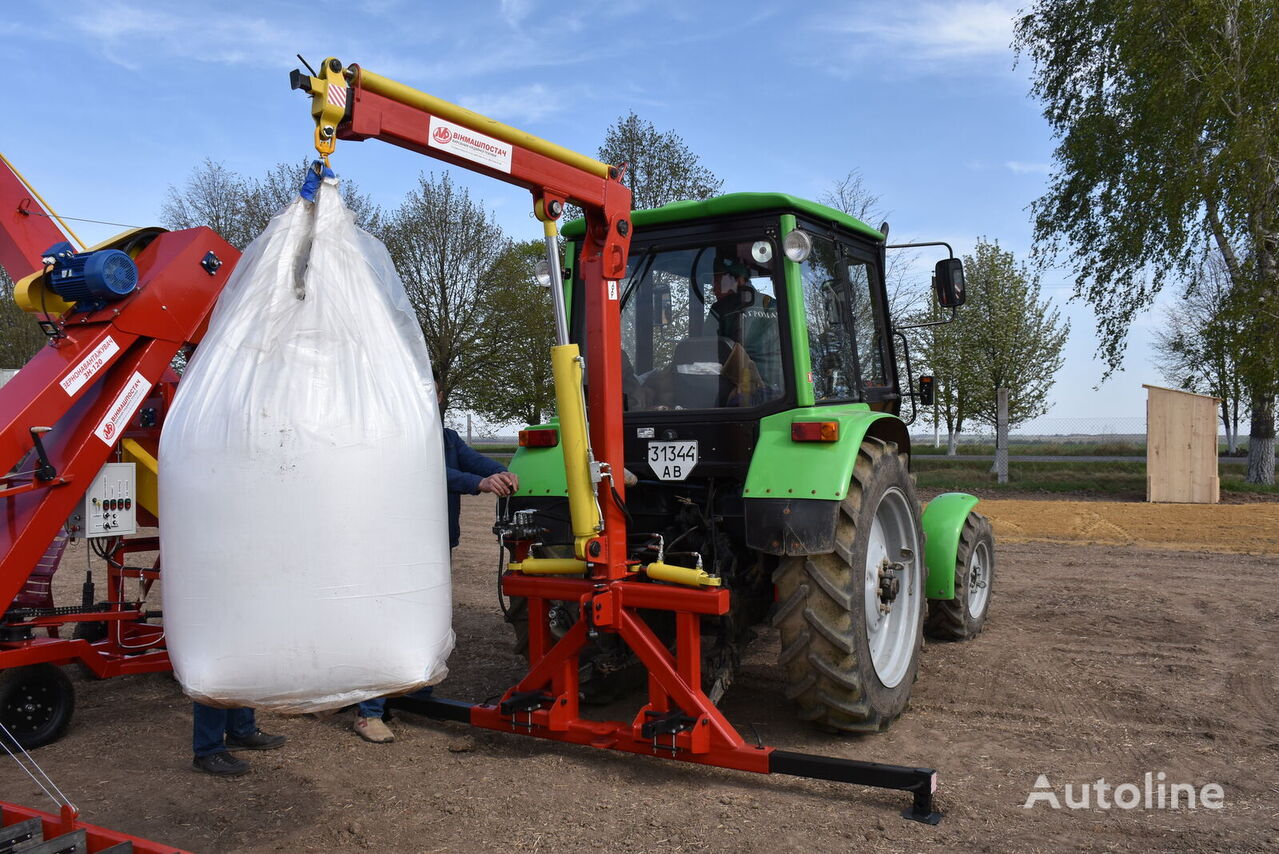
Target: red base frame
x=678 y=721
x=96 y=838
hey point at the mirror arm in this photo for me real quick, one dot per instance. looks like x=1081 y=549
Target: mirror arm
x=954 y=312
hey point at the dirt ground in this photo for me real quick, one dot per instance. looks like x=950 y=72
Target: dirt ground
x=1107 y=660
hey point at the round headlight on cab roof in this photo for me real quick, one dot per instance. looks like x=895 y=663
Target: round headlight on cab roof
x=797 y=245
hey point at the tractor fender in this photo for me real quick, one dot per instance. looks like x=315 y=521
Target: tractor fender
x=943 y=522
x=793 y=489
x=541 y=470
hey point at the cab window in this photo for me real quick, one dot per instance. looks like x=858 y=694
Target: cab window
x=701 y=327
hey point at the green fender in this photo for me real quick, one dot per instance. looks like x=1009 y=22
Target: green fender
x=784 y=468
x=943 y=522
x=541 y=470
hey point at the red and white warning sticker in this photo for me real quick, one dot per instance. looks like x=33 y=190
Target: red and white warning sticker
x=122 y=408
x=89 y=366
x=469 y=145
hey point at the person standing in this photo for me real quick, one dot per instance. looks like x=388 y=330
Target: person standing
x=216 y=731
x=468 y=473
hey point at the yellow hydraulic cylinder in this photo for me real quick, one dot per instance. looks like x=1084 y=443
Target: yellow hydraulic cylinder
x=584 y=511
x=659 y=571
x=549 y=566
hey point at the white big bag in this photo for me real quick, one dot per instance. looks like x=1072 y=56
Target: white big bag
x=303 y=506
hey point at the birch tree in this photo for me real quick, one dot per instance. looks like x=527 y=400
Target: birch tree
x=1168 y=145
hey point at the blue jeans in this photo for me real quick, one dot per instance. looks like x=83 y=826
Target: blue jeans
x=211 y=726
x=375 y=707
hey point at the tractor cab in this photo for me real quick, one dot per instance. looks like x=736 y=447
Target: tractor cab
x=737 y=308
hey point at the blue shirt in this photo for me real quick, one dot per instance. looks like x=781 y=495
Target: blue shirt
x=465 y=469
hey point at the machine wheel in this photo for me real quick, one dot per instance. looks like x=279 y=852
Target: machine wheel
x=36 y=704
x=962 y=618
x=851 y=622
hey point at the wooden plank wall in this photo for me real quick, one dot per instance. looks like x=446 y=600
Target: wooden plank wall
x=1181 y=447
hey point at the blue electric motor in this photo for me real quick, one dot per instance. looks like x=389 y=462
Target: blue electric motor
x=90 y=279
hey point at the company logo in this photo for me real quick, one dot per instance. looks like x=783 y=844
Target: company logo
x=108 y=430
x=1153 y=793
x=443 y=135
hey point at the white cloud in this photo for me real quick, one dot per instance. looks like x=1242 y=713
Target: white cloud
x=524 y=105
x=1020 y=168
x=515 y=11
x=941 y=31
x=129 y=35
x=925 y=35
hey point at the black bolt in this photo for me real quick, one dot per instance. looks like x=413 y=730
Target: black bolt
x=594 y=549
x=623 y=227
x=612 y=171
x=335 y=66
x=555 y=207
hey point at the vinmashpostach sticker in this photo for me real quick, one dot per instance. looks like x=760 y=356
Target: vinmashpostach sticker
x=1154 y=792
x=469 y=145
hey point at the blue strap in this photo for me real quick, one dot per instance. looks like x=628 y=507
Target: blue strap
x=316 y=173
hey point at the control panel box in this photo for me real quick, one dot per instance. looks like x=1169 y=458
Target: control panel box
x=109 y=507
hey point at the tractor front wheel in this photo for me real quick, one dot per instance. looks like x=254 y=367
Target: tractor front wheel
x=851 y=622
x=36 y=704
x=962 y=618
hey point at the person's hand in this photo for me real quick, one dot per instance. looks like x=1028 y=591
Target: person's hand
x=501 y=484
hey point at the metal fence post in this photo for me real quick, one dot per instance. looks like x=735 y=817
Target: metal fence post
x=1001 y=435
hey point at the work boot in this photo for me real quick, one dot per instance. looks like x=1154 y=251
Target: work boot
x=256 y=740
x=372 y=729
x=221 y=764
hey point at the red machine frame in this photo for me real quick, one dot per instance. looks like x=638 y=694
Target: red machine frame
x=104 y=377
x=679 y=721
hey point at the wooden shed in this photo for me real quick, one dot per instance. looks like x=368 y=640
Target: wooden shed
x=1181 y=447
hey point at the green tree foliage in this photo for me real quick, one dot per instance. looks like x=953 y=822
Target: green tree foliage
x=513 y=381
x=445 y=247
x=1006 y=336
x=946 y=352
x=20 y=337
x=239 y=207
x=1016 y=338
x=660 y=168
x=1197 y=345
x=1168 y=128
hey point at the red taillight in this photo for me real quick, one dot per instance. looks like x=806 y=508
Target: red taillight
x=539 y=438
x=815 y=431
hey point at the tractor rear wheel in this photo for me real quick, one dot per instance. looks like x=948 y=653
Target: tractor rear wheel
x=851 y=621
x=36 y=704
x=962 y=618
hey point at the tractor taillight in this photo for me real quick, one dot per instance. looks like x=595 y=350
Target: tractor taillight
x=815 y=431
x=539 y=438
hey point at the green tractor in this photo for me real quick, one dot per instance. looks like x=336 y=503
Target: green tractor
x=765 y=446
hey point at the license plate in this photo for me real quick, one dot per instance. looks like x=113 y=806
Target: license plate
x=672 y=460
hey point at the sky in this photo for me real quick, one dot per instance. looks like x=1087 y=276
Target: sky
x=112 y=102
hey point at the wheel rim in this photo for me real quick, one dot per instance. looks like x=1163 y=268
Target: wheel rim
x=30 y=708
x=892 y=610
x=978 y=579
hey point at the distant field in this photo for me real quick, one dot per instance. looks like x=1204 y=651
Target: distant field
x=1127 y=479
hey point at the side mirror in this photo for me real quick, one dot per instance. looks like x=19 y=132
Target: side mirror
x=948 y=282
x=926 y=384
